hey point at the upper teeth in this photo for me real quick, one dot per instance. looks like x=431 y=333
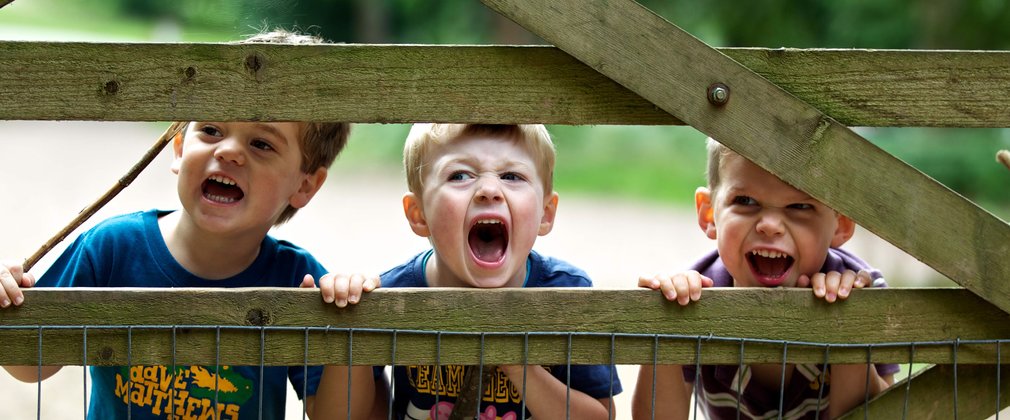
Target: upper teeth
x=221 y=179
x=769 y=253
x=489 y=221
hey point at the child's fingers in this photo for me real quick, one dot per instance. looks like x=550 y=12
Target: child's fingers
x=308 y=282
x=649 y=282
x=803 y=281
x=28 y=280
x=341 y=289
x=696 y=281
x=816 y=282
x=848 y=278
x=831 y=281
x=371 y=283
x=707 y=282
x=682 y=286
x=355 y=284
x=326 y=288
x=863 y=279
x=10 y=280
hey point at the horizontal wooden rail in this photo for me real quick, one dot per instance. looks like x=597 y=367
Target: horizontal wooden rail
x=446 y=325
x=408 y=83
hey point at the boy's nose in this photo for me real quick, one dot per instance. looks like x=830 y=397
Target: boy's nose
x=488 y=189
x=770 y=224
x=229 y=150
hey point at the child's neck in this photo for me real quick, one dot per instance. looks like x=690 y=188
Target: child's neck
x=208 y=255
x=439 y=275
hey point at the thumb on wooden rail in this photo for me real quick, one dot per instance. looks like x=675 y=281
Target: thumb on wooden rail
x=1003 y=156
x=173 y=130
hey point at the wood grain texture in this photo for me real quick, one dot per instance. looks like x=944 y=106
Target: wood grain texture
x=502 y=84
x=269 y=82
x=931 y=395
x=781 y=133
x=447 y=324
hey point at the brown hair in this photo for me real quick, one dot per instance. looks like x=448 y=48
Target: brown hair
x=321 y=142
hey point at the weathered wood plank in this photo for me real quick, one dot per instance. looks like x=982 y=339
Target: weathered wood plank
x=446 y=324
x=781 y=133
x=407 y=83
x=357 y=83
x=931 y=395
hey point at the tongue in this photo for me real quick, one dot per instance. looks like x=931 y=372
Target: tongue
x=487 y=243
x=772 y=267
x=227 y=191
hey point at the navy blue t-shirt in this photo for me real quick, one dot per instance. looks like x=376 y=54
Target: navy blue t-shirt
x=415 y=387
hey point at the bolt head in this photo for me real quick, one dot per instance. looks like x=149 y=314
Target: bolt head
x=718 y=94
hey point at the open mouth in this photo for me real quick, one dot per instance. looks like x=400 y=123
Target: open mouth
x=770 y=266
x=220 y=189
x=488 y=240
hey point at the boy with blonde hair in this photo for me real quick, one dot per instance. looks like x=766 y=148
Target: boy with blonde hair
x=236 y=180
x=481 y=194
x=768 y=234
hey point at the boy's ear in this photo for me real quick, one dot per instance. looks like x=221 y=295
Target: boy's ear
x=846 y=228
x=550 y=210
x=177 y=152
x=414 y=211
x=311 y=183
x=703 y=205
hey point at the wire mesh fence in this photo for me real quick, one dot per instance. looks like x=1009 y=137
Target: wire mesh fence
x=157 y=389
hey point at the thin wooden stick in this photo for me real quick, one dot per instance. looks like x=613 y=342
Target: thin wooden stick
x=123 y=182
x=1003 y=156
x=471 y=391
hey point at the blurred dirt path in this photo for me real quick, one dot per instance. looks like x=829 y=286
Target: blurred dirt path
x=51 y=170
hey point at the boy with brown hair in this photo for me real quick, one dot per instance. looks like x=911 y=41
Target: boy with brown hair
x=481 y=194
x=236 y=180
x=768 y=234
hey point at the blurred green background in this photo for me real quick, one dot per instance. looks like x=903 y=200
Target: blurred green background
x=661 y=164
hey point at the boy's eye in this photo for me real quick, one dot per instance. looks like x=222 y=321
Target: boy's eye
x=511 y=176
x=261 y=144
x=459 y=176
x=211 y=130
x=801 y=206
x=743 y=200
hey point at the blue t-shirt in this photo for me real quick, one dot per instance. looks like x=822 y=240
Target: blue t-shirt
x=722 y=386
x=129 y=251
x=414 y=387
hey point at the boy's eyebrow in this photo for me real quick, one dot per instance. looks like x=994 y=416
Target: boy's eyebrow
x=272 y=130
x=473 y=161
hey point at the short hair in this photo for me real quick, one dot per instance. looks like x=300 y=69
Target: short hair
x=716 y=153
x=533 y=137
x=320 y=142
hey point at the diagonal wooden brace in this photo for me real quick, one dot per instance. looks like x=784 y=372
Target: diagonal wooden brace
x=806 y=148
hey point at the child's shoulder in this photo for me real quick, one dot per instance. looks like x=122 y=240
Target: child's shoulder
x=408 y=274
x=546 y=271
x=128 y=225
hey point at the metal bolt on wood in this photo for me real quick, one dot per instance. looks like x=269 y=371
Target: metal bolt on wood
x=718 y=94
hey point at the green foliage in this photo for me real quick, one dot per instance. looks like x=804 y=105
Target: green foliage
x=962 y=159
x=663 y=164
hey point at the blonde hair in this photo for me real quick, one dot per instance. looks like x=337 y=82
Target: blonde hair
x=533 y=137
